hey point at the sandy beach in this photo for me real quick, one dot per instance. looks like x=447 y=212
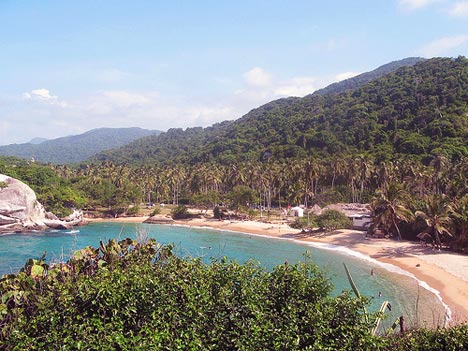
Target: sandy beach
x=444 y=271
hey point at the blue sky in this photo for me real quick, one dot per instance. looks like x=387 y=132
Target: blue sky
x=70 y=66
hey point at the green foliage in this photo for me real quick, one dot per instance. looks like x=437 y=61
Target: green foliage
x=156 y=211
x=3 y=185
x=206 y=199
x=180 y=212
x=418 y=109
x=364 y=78
x=55 y=193
x=133 y=211
x=242 y=196
x=305 y=223
x=442 y=339
x=134 y=296
x=138 y=296
x=333 y=219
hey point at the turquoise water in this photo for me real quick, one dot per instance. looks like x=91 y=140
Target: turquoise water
x=402 y=291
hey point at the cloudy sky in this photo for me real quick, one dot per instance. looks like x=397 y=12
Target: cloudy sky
x=70 y=66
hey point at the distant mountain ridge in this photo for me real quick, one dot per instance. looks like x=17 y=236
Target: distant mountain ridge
x=76 y=148
x=419 y=110
x=37 y=141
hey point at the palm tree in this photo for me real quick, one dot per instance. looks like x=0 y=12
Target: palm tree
x=389 y=208
x=437 y=218
x=439 y=164
x=338 y=166
x=460 y=220
x=364 y=170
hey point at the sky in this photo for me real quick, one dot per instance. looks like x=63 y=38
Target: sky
x=70 y=66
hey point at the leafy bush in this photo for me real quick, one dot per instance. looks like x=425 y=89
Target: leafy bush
x=180 y=212
x=333 y=219
x=442 y=339
x=131 y=296
x=156 y=211
x=304 y=223
x=133 y=211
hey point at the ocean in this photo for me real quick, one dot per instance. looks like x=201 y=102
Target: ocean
x=409 y=297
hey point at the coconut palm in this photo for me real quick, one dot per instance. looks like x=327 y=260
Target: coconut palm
x=437 y=218
x=460 y=220
x=390 y=208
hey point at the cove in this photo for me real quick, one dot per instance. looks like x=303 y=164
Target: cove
x=419 y=305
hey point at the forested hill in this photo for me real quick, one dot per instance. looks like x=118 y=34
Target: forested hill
x=76 y=148
x=419 y=110
x=364 y=78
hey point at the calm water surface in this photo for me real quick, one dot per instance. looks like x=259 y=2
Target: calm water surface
x=403 y=292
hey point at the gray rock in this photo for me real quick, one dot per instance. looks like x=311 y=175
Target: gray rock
x=20 y=210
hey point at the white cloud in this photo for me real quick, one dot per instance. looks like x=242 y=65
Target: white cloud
x=257 y=76
x=345 y=75
x=443 y=46
x=459 y=9
x=298 y=86
x=43 y=96
x=206 y=115
x=411 y=5
x=40 y=94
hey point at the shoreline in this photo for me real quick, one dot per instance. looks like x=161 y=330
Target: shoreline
x=442 y=271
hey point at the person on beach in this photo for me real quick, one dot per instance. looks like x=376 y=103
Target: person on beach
x=372 y=271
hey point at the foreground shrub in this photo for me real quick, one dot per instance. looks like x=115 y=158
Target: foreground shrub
x=138 y=296
x=442 y=339
x=131 y=296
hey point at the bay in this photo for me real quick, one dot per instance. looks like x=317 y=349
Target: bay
x=419 y=305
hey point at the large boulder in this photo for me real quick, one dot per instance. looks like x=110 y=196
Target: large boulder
x=20 y=210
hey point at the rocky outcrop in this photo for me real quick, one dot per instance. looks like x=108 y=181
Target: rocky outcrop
x=20 y=210
x=159 y=219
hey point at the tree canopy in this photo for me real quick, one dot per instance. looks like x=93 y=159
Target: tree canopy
x=418 y=110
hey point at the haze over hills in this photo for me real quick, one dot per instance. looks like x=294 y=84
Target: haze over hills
x=75 y=148
x=37 y=140
x=418 y=110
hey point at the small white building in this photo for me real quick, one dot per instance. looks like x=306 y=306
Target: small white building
x=297 y=211
x=360 y=221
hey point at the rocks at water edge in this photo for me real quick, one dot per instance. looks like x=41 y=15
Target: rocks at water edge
x=159 y=219
x=20 y=211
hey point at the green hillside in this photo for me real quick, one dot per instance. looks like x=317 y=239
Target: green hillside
x=364 y=78
x=418 y=110
x=75 y=148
